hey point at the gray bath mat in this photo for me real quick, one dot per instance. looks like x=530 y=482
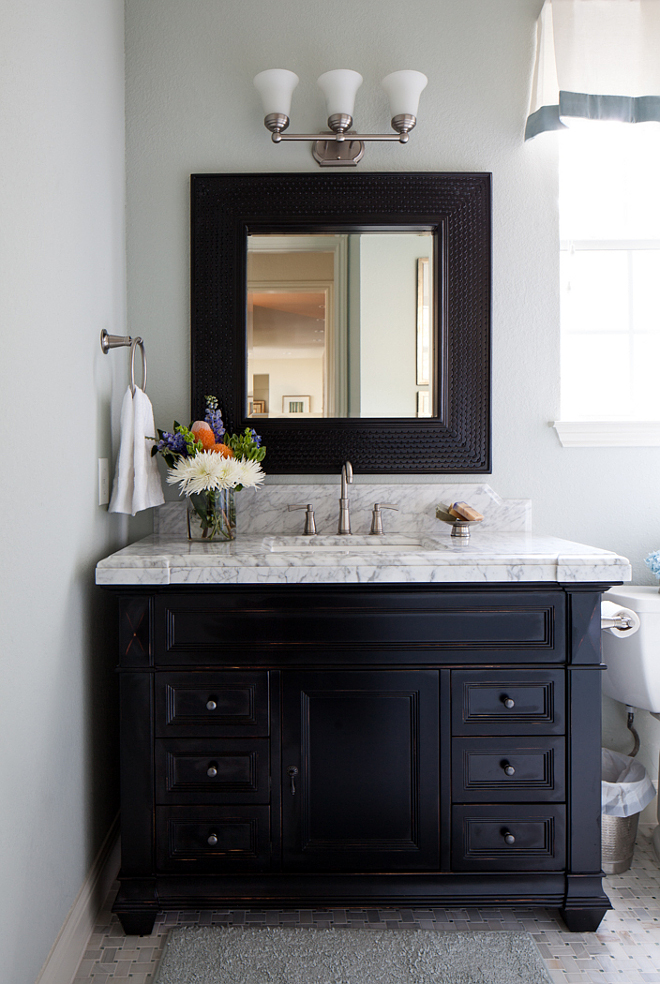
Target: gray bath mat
x=280 y=955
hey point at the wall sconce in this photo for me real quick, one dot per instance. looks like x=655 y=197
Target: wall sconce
x=341 y=147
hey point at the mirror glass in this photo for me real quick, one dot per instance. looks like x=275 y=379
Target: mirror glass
x=340 y=325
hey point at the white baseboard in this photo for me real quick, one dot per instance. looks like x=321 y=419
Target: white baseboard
x=69 y=947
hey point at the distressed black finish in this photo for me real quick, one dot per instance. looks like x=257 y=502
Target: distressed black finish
x=365 y=796
x=456 y=208
x=466 y=624
x=348 y=745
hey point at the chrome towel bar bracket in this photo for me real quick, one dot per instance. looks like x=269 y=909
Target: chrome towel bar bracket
x=123 y=341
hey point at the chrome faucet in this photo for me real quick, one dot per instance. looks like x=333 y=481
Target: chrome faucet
x=344 y=515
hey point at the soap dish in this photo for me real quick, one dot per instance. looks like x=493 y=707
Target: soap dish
x=459 y=527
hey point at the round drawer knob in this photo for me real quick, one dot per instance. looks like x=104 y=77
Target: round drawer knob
x=212 y=839
x=508 y=837
x=211 y=705
x=508 y=702
x=508 y=769
x=211 y=772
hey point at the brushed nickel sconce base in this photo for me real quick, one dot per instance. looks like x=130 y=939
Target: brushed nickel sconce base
x=340 y=122
x=338 y=153
x=276 y=122
x=403 y=123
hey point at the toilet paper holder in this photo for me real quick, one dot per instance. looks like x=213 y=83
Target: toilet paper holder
x=618 y=622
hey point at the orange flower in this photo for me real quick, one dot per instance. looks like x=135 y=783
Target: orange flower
x=223 y=450
x=204 y=433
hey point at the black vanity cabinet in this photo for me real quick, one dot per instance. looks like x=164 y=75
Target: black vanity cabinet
x=348 y=745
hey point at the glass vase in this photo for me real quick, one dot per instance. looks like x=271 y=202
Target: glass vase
x=212 y=515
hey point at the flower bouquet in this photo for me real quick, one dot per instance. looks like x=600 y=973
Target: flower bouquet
x=209 y=465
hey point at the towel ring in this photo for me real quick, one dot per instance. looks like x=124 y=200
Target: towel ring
x=138 y=341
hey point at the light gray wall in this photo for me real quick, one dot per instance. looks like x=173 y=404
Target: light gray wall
x=191 y=107
x=62 y=271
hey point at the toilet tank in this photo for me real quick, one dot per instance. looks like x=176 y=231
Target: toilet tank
x=633 y=663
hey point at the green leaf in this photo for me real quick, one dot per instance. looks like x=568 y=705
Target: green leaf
x=202 y=513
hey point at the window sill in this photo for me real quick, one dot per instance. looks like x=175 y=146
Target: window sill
x=608 y=433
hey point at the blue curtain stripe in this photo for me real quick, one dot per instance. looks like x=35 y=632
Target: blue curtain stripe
x=623 y=109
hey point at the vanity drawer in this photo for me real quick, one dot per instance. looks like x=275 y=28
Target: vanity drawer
x=507 y=770
x=350 y=623
x=508 y=838
x=205 y=771
x=507 y=702
x=218 y=705
x=212 y=838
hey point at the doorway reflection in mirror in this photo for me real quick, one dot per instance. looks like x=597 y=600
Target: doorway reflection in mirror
x=337 y=317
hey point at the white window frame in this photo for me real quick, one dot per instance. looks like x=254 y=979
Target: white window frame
x=609 y=433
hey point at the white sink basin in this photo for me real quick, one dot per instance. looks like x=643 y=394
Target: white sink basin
x=388 y=543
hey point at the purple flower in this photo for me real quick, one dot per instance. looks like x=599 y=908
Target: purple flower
x=256 y=438
x=173 y=442
x=213 y=418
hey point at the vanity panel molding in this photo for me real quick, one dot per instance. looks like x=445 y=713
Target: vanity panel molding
x=509 y=838
x=190 y=770
x=358 y=747
x=509 y=770
x=467 y=625
x=213 y=838
x=136 y=629
x=221 y=705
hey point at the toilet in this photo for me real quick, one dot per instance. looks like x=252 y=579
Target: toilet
x=633 y=664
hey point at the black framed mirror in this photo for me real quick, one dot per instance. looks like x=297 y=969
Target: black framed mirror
x=422 y=352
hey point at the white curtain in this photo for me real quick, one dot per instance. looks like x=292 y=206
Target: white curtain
x=598 y=60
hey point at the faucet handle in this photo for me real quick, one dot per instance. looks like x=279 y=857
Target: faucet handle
x=310 y=523
x=376 y=516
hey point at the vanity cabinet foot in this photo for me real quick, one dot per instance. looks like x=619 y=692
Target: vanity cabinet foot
x=583 y=920
x=137 y=923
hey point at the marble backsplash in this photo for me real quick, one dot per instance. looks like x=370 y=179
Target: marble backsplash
x=265 y=510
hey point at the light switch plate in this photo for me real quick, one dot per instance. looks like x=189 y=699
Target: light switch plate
x=104 y=482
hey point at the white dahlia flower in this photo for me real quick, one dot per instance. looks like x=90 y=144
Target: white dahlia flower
x=208 y=471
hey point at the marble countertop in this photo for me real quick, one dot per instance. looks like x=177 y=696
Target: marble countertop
x=487 y=557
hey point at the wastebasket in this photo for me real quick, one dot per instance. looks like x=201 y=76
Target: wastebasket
x=626 y=789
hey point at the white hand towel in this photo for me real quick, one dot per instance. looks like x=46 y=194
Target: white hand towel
x=122 y=487
x=147 y=490
x=137 y=484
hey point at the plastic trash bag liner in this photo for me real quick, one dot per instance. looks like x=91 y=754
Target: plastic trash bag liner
x=626 y=787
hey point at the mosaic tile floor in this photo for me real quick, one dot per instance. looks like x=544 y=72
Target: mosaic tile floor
x=625 y=950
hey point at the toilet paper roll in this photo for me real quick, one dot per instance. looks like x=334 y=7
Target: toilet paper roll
x=609 y=610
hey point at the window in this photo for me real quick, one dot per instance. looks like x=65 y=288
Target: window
x=610 y=273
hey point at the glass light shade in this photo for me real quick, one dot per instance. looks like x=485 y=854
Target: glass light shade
x=275 y=86
x=403 y=91
x=339 y=88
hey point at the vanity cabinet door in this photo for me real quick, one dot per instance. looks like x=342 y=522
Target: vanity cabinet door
x=360 y=770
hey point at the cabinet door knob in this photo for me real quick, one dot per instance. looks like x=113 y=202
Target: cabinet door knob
x=508 y=837
x=508 y=702
x=211 y=705
x=508 y=769
x=292 y=772
x=212 y=839
x=211 y=772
